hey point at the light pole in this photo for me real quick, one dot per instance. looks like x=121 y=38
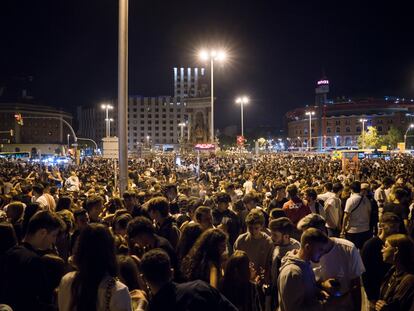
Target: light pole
x=406 y=132
x=107 y=107
x=336 y=140
x=68 y=136
x=212 y=55
x=301 y=143
x=148 y=138
x=363 y=131
x=242 y=101
x=310 y=114
x=108 y=126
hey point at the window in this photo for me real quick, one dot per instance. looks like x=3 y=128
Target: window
x=347 y=122
x=134 y=116
x=171 y=109
x=328 y=130
x=338 y=130
x=142 y=116
x=358 y=129
x=135 y=128
x=338 y=122
x=348 y=130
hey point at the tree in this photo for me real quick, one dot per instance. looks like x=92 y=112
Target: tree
x=392 y=138
x=371 y=139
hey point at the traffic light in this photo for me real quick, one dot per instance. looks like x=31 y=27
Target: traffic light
x=19 y=118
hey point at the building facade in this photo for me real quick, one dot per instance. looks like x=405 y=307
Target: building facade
x=41 y=124
x=339 y=124
x=190 y=82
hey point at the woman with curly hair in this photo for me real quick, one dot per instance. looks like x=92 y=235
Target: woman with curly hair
x=204 y=261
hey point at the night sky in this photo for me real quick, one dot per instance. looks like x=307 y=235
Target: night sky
x=278 y=50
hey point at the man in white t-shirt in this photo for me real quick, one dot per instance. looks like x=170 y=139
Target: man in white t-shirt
x=356 y=224
x=333 y=211
x=248 y=185
x=381 y=193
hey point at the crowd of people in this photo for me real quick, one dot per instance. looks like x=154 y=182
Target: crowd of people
x=284 y=232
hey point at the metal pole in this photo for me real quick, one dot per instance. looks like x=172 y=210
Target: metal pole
x=310 y=131
x=123 y=95
x=115 y=181
x=68 y=136
x=363 y=134
x=107 y=121
x=242 y=125
x=212 y=101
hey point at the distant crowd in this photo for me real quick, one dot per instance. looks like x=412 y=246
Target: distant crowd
x=286 y=232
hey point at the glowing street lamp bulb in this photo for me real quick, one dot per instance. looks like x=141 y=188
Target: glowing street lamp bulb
x=221 y=56
x=245 y=99
x=213 y=53
x=204 y=55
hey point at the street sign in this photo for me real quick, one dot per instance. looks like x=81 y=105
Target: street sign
x=240 y=140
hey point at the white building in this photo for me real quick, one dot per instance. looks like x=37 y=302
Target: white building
x=190 y=82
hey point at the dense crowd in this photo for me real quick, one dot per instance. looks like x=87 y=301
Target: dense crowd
x=284 y=232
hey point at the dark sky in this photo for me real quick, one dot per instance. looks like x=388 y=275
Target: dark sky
x=278 y=50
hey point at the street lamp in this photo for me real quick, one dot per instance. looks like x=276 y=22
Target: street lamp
x=108 y=122
x=107 y=107
x=336 y=140
x=212 y=55
x=310 y=114
x=182 y=125
x=363 y=131
x=405 y=135
x=148 y=138
x=68 y=136
x=242 y=101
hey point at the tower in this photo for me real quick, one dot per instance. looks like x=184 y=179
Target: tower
x=321 y=91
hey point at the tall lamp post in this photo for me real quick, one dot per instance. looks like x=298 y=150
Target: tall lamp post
x=310 y=114
x=181 y=125
x=243 y=100
x=68 y=136
x=406 y=132
x=363 y=131
x=212 y=55
x=107 y=107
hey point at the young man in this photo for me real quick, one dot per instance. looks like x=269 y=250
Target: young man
x=356 y=224
x=296 y=284
x=225 y=217
x=159 y=211
x=255 y=243
x=333 y=211
x=25 y=278
x=94 y=207
x=167 y=295
x=281 y=230
x=204 y=217
x=295 y=209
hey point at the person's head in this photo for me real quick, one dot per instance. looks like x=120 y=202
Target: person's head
x=398 y=250
x=401 y=195
x=312 y=221
x=170 y=191
x=156 y=269
x=390 y=223
x=279 y=191
x=223 y=200
x=310 y=195
x=328 y=186
x=387 y=182
x=120 y=224
x=276 y=213
x=37 y=190
x=94 y=258
x=81 y=218
x=130 y=199
x=140 y=232
x=189 y=236
x=313 y=244
x=337 y=188
x=292 y=191
x=237 y=269
x=158 y=208
x=64 y=202
x=128 y=271
x=43 y=229
x=255 y=221
x=355 y=186
x=281 y=230
x=94 y=207
x=250 y=200
x=210 y=245
x=114 y=204
x=203 y=216
x=8 y=237
x=14 y=211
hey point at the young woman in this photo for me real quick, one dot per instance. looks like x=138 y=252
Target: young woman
x=237 y=286
x=397 y=290
x=94 y=286
x=204 y=261
x=188 y=237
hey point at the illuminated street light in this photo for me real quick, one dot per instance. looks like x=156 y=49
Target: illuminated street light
x=406 y=132
x=212 y=55
x=243 y=100
x=363 y=131
x=310 y=114
x=107 y=107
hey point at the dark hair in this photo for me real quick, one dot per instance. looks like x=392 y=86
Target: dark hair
x=92 y=202
x=249 y=197
x=8 y=237
x=44 y=220
x=80 y=212
x=128 y=272
x=255 y=217
x=200 y=211
x=236 y=280
x=189 y=236
x=311 y=193
x=292 y=190
x=121 y=221
x=222 y=197
x=63 y=203
x=405 y=247
x=355 y=186
x=196 y=265
x=159 y=204
x=337 y=187
x=283 y=225
x=328 y=186
x=312 y=236
x=277 y=212
x=38 y=188
x=387 y=181
x=114 y=204
x=156 y=266
x=29 y=211
x=94 y=258
x=400 y=193
x=140 y=225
